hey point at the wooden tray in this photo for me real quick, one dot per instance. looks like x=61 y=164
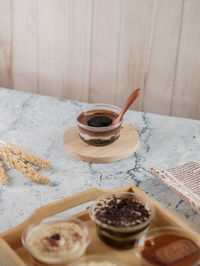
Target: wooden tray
x=12 y=253
x=127 y=143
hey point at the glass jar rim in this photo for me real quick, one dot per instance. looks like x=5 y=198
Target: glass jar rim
x=161 y=230
x=91 y=107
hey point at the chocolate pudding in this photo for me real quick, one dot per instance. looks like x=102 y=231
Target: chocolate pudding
x=94 y=127
x=170 y=249
x=120 y=219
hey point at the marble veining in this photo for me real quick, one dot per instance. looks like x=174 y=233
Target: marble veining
x=37 y=123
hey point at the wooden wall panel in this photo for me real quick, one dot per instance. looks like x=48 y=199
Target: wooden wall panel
x=104 y=50
x=186 y=97
x=51 y=46
x=100 y=50
x=159 y=80
x=64 y=48
x=5 y=43
x=133 y=46
x=77 y=49
x=24 y=45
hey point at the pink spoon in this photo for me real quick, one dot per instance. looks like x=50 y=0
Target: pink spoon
x=128 y=103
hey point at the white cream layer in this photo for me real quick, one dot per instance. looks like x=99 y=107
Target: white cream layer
x=88 y=137
x=71 y=244
x=100 y=263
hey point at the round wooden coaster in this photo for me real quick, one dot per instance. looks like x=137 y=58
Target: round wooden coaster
x=127 y=143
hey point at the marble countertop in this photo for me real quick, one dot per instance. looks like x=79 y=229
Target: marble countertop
x=37 y=123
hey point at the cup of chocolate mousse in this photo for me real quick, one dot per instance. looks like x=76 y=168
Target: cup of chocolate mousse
x=168 y=245
x=121 y=218
x=94 y=124
x=56 y=240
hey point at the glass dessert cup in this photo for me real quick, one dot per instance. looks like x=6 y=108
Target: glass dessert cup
x=121 y=218
x=94 y=133
x=97 y=260
x=56 y=240
x=168 y=245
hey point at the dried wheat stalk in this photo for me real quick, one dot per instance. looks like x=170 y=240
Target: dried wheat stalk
x=15 y=161
x=27 y=156
x=3 y=176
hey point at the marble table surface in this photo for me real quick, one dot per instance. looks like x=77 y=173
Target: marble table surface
x=37 y=123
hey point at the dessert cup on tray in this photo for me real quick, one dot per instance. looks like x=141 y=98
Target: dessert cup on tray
x=12 y=252
x=56 y=240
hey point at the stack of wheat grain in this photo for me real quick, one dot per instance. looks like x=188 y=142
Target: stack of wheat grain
x=21 y=160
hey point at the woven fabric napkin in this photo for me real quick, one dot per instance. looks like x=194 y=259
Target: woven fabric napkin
x=185 y=180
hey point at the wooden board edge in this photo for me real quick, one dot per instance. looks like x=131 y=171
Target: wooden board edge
x=7 y=255
x=106 y=159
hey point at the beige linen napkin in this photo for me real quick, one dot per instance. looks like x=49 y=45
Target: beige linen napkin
x=185 y=180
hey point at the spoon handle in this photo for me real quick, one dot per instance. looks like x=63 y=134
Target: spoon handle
x=129 y=101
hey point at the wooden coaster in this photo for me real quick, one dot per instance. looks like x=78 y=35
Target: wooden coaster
x=127 y=143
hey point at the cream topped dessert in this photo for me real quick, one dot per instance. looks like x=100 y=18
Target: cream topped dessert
x=97 y=260
x=100 y=263
x=56 y=242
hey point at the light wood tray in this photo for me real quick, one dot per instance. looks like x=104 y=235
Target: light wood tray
x=12 y=253
x=127 y=143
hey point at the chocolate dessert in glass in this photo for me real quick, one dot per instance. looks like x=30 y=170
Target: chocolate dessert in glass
x=168 y=245
x=121 y=218
x=94 y=124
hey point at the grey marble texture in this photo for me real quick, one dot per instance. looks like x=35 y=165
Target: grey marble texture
x=37 y=123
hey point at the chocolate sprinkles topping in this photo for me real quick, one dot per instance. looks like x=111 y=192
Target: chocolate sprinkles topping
x=121 y=212
x=55 y=237
x=100 y=121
